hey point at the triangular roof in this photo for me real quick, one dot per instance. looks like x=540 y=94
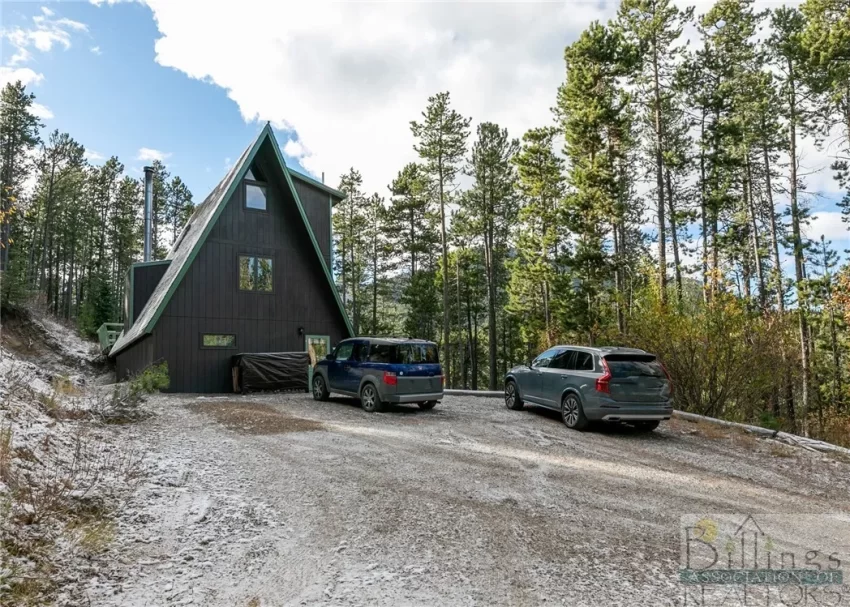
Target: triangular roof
x=195 y=232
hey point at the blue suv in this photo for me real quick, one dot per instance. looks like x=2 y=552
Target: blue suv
x=381 y=370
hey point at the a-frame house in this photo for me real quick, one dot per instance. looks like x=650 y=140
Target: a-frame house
x=250 y=272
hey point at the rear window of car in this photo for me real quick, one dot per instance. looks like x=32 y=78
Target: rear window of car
x=416 y=354
x=636 y=366
x=404 y=354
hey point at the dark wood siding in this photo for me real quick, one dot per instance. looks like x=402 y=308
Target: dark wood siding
x=317 y=206
x=135 y=358
x=145 y=279
x=208 y=299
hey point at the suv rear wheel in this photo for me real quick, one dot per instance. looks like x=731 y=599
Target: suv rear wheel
x=370 y=399
x=572 y=413
x=427 y=405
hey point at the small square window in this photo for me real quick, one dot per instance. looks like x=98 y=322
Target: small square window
x=255 y=197
x=215 y=340
x=256 y=273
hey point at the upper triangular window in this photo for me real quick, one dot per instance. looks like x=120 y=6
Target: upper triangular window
x=254 y=174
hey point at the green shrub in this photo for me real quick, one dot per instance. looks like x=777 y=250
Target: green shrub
x=123 y=405
x=152 y=379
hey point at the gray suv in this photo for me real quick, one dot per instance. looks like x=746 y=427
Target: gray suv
x=381 y=370
x=588 y=384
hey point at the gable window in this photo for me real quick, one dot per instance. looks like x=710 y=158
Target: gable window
x=255 y=190
x=255 y=273
x=255 y=197
x=216 y=340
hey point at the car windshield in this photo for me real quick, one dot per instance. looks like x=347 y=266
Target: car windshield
x=634 y=366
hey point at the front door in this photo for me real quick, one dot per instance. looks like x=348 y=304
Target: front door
x=317 y=347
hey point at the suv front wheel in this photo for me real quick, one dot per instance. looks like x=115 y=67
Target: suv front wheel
x=370 y=399
x=512 y=398
x=320 y=390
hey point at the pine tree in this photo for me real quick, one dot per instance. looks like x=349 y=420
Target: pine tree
x=490 y=209
x=160 y=207
x=540 y=238
x=349 y=223
x=377 y=255
x=652 y=29
x=18 y=136
x=178 y=207
x=411 y=222
x=791 y=60
x=592 y=107
x=441 y=136
x=729 y=60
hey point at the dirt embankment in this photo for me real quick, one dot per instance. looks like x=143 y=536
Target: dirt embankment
x=64 y=472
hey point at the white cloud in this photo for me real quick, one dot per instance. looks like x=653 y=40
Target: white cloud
x=151 y=154
x=349 y=77
x=827 y=224
x=93 y=156
x=294 y=149
x=41 y=111
x=96 y=50
x=45 y=33
x=24 y=74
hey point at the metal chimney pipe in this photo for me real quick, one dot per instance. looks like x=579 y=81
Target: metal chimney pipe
x=323 y=177
x=148 y=211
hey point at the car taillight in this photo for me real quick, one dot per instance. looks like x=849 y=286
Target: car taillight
x=443 y=380
x=603 y=382
x=669 y=379
x=390 y=378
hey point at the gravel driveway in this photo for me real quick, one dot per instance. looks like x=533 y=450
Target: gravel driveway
x=280 y=500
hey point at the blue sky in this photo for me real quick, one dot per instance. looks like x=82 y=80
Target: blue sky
x=107 y=91
x=193 y=84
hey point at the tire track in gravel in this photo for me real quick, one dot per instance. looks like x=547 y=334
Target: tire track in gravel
x=308 y=503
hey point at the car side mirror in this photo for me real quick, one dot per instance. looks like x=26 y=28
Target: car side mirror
x=329 y=357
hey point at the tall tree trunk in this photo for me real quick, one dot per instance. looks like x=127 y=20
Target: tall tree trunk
x=659 y=183
x=833 y=336
x=674 y=237
x=703 y=211
x=618 y=277
x=462 y=352
x=751 y=207
x=445 y=255
x=798 y=253
x=475 y=350
x=375 y=282
x=491 y=305
x=774 y=234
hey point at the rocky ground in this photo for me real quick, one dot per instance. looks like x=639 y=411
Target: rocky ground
x=280 y=500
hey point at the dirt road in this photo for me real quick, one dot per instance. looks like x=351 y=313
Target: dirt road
x=280 y=500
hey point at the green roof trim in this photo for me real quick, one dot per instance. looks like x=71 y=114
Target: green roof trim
x=220 y=201
x=309 y=180
x=199 y=243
